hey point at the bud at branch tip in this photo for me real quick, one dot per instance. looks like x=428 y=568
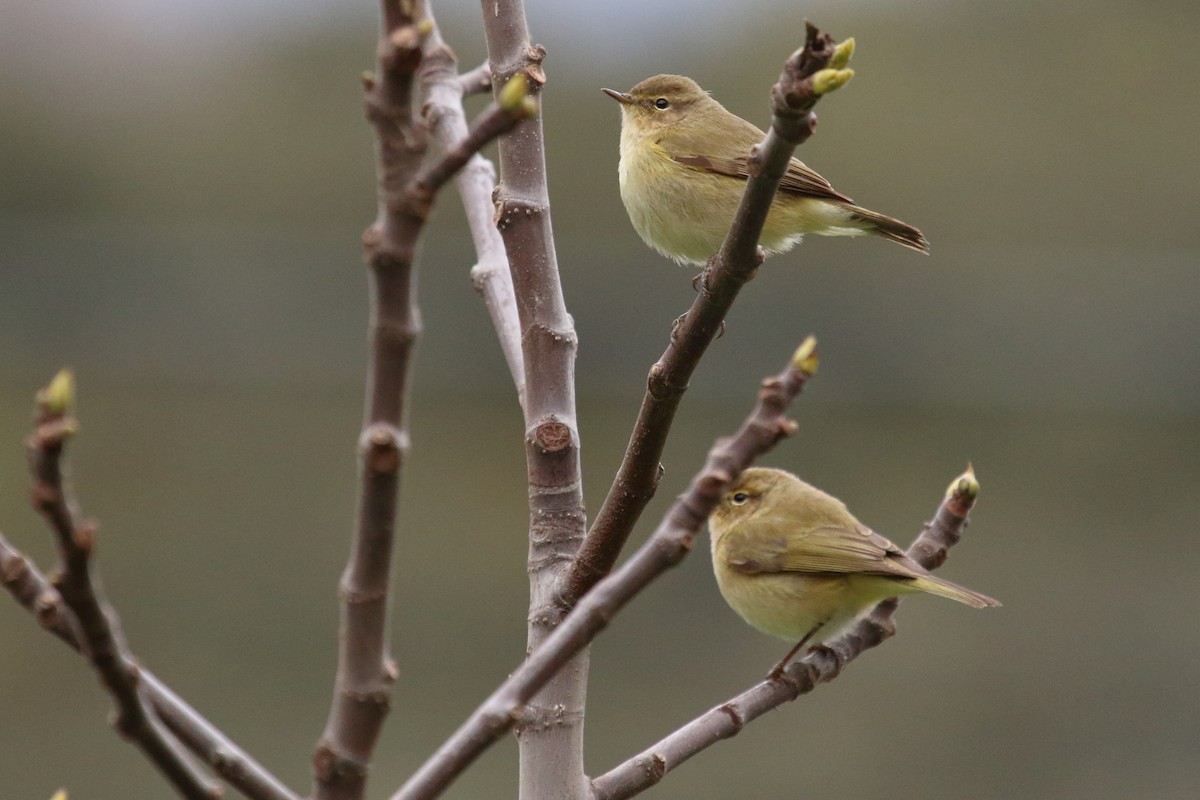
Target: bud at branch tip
x=966 y=484
x=828 y=80
x=842 y=54
x=806 y=359
x=59 y=395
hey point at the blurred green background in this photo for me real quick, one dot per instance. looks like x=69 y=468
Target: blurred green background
x=182 y=189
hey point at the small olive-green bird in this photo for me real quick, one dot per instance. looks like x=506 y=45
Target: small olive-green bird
x=684 y=167
x=795 y=563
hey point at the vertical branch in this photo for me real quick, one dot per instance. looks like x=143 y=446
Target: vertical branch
x=365 y=671
x=442 y=91
x=99 y=631
x=551 y=731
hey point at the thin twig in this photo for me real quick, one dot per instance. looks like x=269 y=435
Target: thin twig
x=31 y=589
x=822 y=665
x=366 y=672
x=673 y=539
x=476 y=81
x=793 y=122
x=550 y=734
x=441 y=105
x=97 y=627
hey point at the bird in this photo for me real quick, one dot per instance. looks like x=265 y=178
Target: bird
x=684 y=166
x=793 y=561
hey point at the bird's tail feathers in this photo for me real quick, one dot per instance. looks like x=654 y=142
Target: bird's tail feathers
x=944 y=588
x=890 y=228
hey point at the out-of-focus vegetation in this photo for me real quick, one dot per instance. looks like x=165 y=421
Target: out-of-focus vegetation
x=179 y=220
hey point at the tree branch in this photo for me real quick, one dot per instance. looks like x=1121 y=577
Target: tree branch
x=550 y=735
x=442 y=93
x=97 y=627
x=673 y=539
x=793 y=98
x=477 y=81
x=31 y=589
x=366 y=672
x=821 y=665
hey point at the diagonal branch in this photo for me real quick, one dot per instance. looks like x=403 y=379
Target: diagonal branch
x=550 y=735
x=793 y=98
x=31 y=589
x=821 y=665
x=96 y=625
x=366 y=672
x=673 y=539
x=442 y=92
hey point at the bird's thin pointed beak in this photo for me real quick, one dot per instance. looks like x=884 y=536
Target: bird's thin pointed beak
x=620 y=97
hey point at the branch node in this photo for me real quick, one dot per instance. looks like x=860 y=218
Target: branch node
x=735 y=718
x=382 y=446
x=552 y=435
x=84 y=538
x=329 y=767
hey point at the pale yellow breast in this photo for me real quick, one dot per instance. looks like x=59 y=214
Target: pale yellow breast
x=681 y=212
x=686 y=213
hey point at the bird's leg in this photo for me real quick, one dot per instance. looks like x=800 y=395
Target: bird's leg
x=777 y=672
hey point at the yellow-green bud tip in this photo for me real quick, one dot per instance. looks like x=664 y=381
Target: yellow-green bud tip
x=806 y=359
x=59 y=394
x=842 y=54
x=966 y=484
x=61 y=794
x=828 y=80
x=425 y=27
x=512 y=96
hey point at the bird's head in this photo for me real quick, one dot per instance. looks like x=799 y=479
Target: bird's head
x=745 y=497
x=660 y=102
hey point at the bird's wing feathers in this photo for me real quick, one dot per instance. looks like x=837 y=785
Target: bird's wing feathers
x=828 y=548
x=732 y=158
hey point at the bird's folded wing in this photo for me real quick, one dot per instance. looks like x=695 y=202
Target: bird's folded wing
x=798 y=179
x=833 y=549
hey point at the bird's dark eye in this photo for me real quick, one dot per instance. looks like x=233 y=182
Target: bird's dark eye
x=662 y=103
x=739 y=498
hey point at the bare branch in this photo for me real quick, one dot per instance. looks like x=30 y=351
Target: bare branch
x=821 y=665
x=366 y=672
x=97 y=627
x=477 y=81
x=793 y=122
x=441 y=93
x=31 y=589
x=550 y=735
x=673 y=539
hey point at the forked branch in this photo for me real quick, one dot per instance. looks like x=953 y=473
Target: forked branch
x=97 y=628
x=33 y=591
x=673 y=539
